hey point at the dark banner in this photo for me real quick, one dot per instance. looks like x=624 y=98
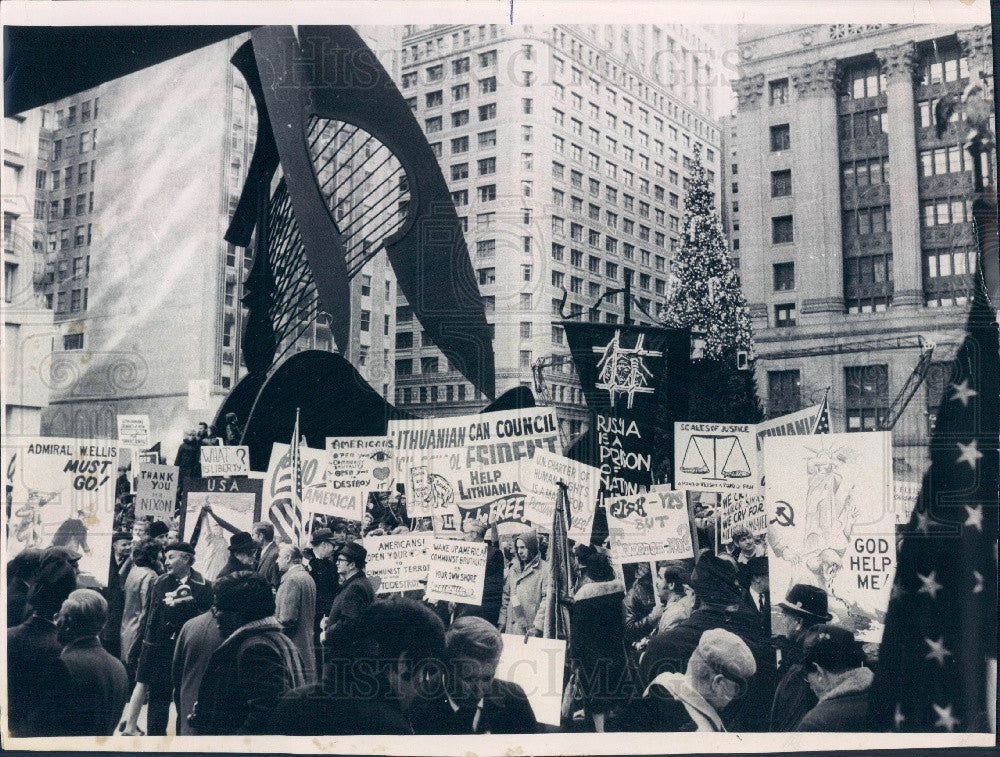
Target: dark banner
x=635 y=379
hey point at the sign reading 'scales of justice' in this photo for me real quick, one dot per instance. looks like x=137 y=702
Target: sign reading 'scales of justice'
x=831 y=522
x=156 y=492
x=457 y=571
x=649 y=526
x=472 y=466
x=217 y=460
x=717 y=457
x=63 y=494
x=401 y=561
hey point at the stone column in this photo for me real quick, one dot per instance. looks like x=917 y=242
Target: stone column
x=899 y=63
x=752 y=143
x=819 y=250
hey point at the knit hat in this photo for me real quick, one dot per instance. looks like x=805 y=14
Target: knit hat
x=242 y=543
x=757 y=566
x=158 y=528
x=530 y=539
x=355 y=553
x=598 y=568
x=121 y=536
x=714 y=581
x=832 y=647
x=179 y=546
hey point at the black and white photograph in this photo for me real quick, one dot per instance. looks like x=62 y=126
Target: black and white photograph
x=446 y=378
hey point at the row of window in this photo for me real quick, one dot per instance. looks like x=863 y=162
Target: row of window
x=56 y=180
x=448 y=393
x=862 y=173
x=84 y=204
x=645 y=281
x=88 y=109
x=64 y=148
x=460 y=118
x=611 y=269
x=864 y=221
x=72 y=301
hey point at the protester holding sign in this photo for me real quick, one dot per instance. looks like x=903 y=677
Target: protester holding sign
x=522 y=608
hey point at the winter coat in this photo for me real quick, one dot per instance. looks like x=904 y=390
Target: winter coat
x=267 y=565
x=793 y=698
x=246 y=677
x=32 y=652
x=671 y=650
x=115 y=595
x=295 y=607
x=639 y=603
x=505 y=709
x=196 y=642
x=676 y=611
x=137 y=587
x=324 y=573
x=522 y=606
x=354 y=596
x=89 y=691
x=670 y=703
x=316 y=711
x=844 y=708
x=232 y=566
x=597 y=642
x=17 y=601
x=188 y=459
x=168 y=609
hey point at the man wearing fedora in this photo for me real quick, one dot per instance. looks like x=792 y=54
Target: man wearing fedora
x=804 y=607
x=323 y=569
x=242 y=554
x=355 y=595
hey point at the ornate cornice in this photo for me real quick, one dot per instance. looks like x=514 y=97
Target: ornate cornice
x=899 y=61
x=749 y=91
x=815 y=79
x=977 y=42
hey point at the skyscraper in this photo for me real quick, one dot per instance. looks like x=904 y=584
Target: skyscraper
x=566 y=150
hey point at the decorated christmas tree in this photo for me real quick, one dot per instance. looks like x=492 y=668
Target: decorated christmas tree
x=705 y=296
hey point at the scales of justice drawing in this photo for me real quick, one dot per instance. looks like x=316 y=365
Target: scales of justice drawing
x=723 y=450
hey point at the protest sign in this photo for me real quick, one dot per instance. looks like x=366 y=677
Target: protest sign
x=472 y=466
x=156 y=491
x=401 y=561
x=133 y=431
x=802 y=422
x=457 y=571
x=740 y=511
x=649 y=526
x=214 y=509
x=360 y=462
x=148 y=456
x=63 y=494
x=537 y=666
x=715 y=457
x=316 y=497
x=823 y=494
x=582 y=482
x=217 y=460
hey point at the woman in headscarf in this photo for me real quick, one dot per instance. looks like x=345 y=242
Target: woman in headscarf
x=522 y=607
x=597 y=635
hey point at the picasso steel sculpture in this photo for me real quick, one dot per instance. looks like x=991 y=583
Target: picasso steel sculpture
x=357 y=177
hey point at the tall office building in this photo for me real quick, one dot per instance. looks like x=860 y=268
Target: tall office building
x=141 y=176
x=27 y=328
x=566 y=149
x=857 y=239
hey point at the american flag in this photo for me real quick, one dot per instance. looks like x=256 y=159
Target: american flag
x=286 y=512
x=937 y=663
x=823 y=419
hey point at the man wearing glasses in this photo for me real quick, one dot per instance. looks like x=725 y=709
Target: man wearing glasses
x=355 y=594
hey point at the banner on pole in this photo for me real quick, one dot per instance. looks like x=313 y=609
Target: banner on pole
x=582 y=482
x=830 y=522
x=457 y=571
x=217 y=460
x=63 y=494
x=401 y=561
x=133 y=431
x=156 y=492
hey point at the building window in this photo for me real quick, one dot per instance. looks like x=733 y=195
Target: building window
x=487 y=139
x=486 y=248
x=434 y=99
x=526 y=329
x=435 y=73
x=459 y=171
x=460 y=198
x=784 y=277
x=948 y=276
x=366 y=320
x=862 y=82
x=487 y=85
x=862 y=123
x=487 y=193
x=459 y=118
x=778 y=91
x=487 y=166
x=404 y=340
x=784 y=392
x=432 y=125
x=524 y=358
x=404 y=367
x=72 y=341
x=780 y=138
x=487 y=112
x=525 y=300
x=944 y=211
x=784 y=315
x=460 y=66
x=781 y=229
x=781 y=183
x=460 y=145
x=867 y=396
x=943 y=160
x=868 y=283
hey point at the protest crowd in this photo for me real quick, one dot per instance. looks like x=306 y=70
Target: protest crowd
x=294 y=638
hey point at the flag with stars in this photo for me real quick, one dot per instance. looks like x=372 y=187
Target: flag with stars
x=823 y=419
x=938 y=653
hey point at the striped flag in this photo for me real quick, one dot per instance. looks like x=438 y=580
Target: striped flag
x=286 y=511
x=823 y=419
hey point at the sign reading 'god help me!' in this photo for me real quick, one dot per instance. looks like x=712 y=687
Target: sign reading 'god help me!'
x=457 y=571
x=156 y=492
x=651 y=526
x=225 y=461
